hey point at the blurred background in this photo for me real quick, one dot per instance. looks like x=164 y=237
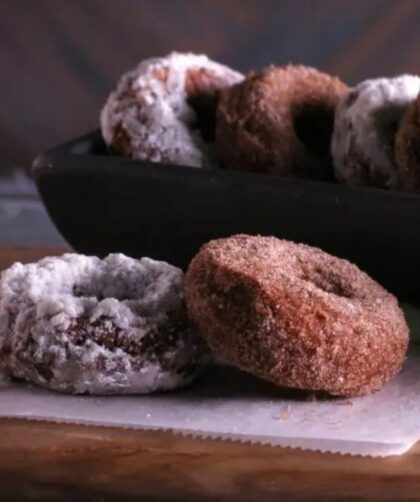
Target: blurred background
x=60 y=58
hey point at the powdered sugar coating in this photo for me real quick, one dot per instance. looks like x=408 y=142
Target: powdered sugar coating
x=80 y=324
x=150 y=117
x=295 y=315
x=366 y=121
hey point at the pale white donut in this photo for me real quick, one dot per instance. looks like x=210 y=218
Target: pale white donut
x=80 y=324
x=364 y=131
x=149 y=116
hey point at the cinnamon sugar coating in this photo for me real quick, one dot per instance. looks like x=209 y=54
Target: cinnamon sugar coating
x=295 y=315
x=279 y=121
x=407 y=149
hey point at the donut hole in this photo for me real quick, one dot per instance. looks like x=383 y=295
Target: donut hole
x=201 y=87
x=351 y=97
x=121 y=143
x=118 y=285
x=328 y=282
x=386 y=120
x=204 y=106
x=313 y=125
x=100 y=290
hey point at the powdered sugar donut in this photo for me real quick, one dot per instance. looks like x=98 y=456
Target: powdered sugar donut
x=366 y=121
x=164 y=110
x=79 y=324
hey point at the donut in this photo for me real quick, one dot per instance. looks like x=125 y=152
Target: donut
x=82 y=325
x=279 y=121
x=164 y=110
x=407 y=149
x=295 y=316
x=366 y=122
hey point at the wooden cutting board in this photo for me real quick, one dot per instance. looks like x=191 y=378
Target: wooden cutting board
x=46 y=461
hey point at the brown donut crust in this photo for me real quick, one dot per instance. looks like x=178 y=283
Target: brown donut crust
x=279 y=121
x=407 y=149
x=295 y=315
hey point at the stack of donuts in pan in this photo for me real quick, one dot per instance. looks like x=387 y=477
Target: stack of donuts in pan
x=287 y=120
x=285 y=312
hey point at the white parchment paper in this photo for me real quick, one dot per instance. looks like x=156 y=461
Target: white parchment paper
x=229 y=404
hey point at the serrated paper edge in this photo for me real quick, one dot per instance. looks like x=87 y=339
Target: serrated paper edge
x=302 y=444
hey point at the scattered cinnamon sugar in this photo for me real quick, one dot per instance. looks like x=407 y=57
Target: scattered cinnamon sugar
x=284 y=415
x=344 y=402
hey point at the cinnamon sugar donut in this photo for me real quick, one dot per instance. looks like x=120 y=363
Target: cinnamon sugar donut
x=79 y=324
x=366 y=122
x=163 y=110
x=279 y=121
x=407 y=149
x=295 y=315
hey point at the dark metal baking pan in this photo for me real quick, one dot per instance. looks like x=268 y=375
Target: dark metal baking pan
x=103 y=203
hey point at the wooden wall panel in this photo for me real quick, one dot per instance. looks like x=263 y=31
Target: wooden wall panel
x=59 y=58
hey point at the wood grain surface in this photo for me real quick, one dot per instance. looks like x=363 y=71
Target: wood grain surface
x=59 y=59
x=40 y=461
x=47 y=461
x=9 y=255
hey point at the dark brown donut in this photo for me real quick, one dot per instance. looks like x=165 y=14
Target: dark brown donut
x=407 y=149
x=279 y=121
x=295 y=315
